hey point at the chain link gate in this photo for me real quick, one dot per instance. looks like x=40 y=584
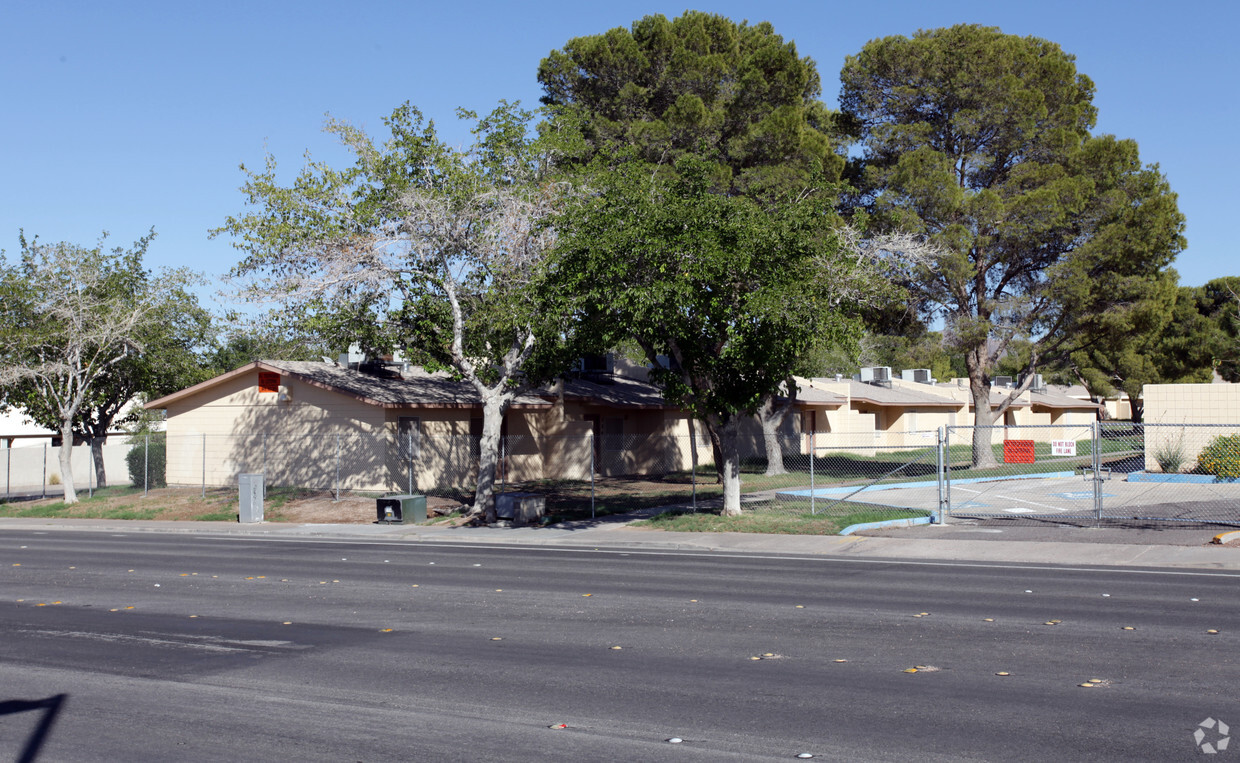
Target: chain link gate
x=1095 y=472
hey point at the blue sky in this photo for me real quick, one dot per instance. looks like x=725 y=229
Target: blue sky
x=121 y=116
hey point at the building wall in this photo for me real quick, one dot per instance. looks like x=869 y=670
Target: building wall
x=322 y=439
x=234 y=429
x=1171 y=410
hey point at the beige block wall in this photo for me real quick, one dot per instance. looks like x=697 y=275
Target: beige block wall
x=1169 y=407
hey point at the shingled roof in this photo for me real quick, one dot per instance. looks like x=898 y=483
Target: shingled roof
x=419 y=389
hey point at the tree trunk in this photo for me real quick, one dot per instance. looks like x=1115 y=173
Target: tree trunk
x=96 y=450
x=983 y=426
x=66 y=462
x=725 y=434
x=771 y=415
x=716 y=452
x=494 y=406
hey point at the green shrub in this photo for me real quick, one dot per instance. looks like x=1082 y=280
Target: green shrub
x=1170 y=454
x=1221 y=457
x=156 y=463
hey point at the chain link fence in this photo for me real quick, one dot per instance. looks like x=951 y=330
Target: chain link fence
x=33 y=470
x=1103 y=471
x=1068 y=474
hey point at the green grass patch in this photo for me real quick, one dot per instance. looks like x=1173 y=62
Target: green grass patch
x=224 y=515
x=779 y=518
x=128 y=513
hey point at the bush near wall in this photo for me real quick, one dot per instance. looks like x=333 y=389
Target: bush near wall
x=155 y=470
x=1221 y=457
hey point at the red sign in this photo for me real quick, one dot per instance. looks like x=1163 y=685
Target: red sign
x=1018 y=451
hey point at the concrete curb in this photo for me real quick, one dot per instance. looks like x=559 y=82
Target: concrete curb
x=1226 y=537
x=886 y=523
x=925 y=549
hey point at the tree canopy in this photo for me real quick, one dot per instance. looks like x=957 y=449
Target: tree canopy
x=422 y=247
x=737 y=95
x=731 y=292
x=1185 y=347
x=1046 y=233
x=83 y=330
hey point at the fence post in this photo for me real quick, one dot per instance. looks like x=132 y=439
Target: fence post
x=337 y=468
x=503 y=464
x=1097 y=459
x=90 y=469
x=44 y=488
x=947 y=467
x=813 y=508
x=941 y=459
x=591 y=474
x=265 y=480
x=146 y=465
x=409 y=460
x=8 y=464
x=693 y=460
x=204 y=466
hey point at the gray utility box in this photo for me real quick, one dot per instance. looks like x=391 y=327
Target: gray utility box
x=396 y=509
x=521 y=508
x=251 y=487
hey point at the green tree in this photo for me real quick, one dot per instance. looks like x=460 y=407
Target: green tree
x=1219 y=300
x=82 y=331
x=732 y=292
x=981 y=142
x=422 y=247
x=1185 y=347
x=272 y=340
x=172 y=358
x=736 y=95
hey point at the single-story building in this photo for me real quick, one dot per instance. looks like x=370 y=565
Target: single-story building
x=318 y=424
x=352 y=427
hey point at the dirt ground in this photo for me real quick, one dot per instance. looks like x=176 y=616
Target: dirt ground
x=190 y=504
x=324 y=509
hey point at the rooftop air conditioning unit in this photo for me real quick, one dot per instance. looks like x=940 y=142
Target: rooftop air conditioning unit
x=1038 y=383
x=352 y=357
x=918 y=375
x=1002 y=381
x=873 y=374
x=595 y=364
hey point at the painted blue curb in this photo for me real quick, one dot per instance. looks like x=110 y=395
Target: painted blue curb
x=888 y=523
x=824 y=491
x=1196 y=479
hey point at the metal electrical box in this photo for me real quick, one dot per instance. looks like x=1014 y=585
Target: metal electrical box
x=251 y=487
x=396 y=509
x=521 y=508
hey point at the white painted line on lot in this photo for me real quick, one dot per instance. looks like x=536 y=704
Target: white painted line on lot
x=1033 y=503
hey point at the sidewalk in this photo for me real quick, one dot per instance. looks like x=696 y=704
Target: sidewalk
x=952 y=542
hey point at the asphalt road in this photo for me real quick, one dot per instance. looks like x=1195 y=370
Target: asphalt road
x=129 y=647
